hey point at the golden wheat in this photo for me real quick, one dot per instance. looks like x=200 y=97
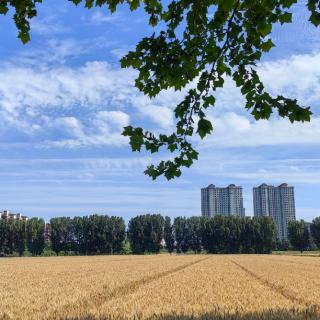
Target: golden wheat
x=164 y=287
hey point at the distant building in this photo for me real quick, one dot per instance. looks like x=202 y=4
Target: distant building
x=226 y=201
x=276 y=202
x=7 y=215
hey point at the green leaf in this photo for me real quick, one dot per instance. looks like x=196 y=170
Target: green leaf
x=288 y=3
x=209 y=101
x=89 y=4
x=153 y=21
x=24 y=37
x=265 y=29
x=172 y=147
x=134 y=4
x=227 y=5
x=286 y=18
x=3 y=9
x=266 y=46
x=315 y=18
x=204 y=127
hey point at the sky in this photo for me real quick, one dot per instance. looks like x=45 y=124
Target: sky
x=64 y=100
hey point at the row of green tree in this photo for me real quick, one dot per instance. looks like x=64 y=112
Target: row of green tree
x=303 y=236
x=97 y=234
x=93 y=234
x=220 y=234
x=17 y=236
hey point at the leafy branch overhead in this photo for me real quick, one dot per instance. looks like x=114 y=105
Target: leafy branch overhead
x=203 y=42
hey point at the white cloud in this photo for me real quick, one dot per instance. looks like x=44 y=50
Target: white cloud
x=253 y=168
x=121 y=51
x=32 y=97
x=70 y=125
x=48 y=26
x=298 y=76
x=234 y=130
x=104 y=128
x=99 y=17
x=157 y=110
x=39 y=96
x=50 y=52
x=117 y=19
x=71 y=168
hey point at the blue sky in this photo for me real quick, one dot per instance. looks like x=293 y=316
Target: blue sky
x=64 y=100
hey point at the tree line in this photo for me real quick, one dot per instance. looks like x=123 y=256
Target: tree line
x=303 y=236
x=219 y=234
x=17 y=236
x=150 y=233
x=95 y=234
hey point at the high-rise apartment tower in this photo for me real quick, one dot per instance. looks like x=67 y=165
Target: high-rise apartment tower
x=276 y=202
x=225 y=201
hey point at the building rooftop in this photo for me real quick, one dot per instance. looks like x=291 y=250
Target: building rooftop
x=212 y=186
x=269 y=185
x=283 y=185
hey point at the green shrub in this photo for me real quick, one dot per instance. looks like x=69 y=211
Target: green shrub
x=48 y=253
x=67 y=253
x=27 y=253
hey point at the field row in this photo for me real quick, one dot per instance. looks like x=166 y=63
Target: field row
x=163 y=286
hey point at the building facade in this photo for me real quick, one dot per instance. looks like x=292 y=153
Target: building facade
x=226 y=201
x=276 y=202
x=7 y=215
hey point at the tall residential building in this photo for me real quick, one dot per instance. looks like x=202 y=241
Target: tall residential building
x=276 y=202
x=225 y=201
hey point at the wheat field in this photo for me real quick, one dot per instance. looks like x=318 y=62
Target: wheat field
x=182 y=287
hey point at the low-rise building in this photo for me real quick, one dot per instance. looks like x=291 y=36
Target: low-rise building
x=7 y=215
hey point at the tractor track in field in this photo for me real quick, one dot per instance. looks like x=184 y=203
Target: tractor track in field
x=316 y=265
x=81 y=309
x=277 y=288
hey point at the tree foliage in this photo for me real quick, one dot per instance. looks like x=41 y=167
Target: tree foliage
x=168 y=234
x=315 y=231
x=199 y=44
x=35 y=235
x=12 y=236
x=61 y=234
x=95 y=234
x=98 y=234
x=181 y=234
x=194 y=229
x=298 y=235
x=231 y=234
x=145 y=233
x=17 y=236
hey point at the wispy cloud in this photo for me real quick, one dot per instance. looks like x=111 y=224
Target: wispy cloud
x=96 y=95
x=98 y=17
x=234 y=130
x=48 y=26
x=34 y=98
x=103 y=129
